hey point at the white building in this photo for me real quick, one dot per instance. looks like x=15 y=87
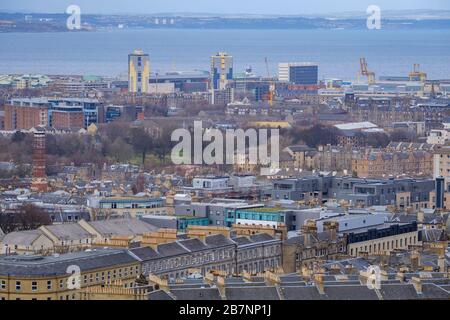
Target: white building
x=438 y=137
x=210 y=183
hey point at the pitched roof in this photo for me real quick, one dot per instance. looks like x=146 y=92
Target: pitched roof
x=69 y=231
x=218 y=240
x=252 y=293
x=171 y=249
x=159 y=295
x=193 y=244
x=122 y=227
x=22 y=238
x=28 y=266
x=433 y=291
x=301 y=293
x=145 y=253
x=398 y=292
x=197 y=294
x=350 y=292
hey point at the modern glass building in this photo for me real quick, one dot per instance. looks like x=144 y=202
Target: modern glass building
x=302 y=73
x=184 y=222
x=265 y=216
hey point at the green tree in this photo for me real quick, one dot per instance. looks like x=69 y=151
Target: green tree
x=120 y=150
x=141 y=141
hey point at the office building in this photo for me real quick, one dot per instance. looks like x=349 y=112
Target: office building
x=61 y=110
x=301 y=73
x=138 y=72
x=180 y=81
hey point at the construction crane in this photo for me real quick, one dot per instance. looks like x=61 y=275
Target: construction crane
x=271 y=85
x=417 y=74
x=365 y=71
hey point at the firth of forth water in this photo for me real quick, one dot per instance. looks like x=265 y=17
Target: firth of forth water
x=388 y=52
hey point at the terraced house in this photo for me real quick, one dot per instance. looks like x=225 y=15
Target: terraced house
x=228 y=256
x=382 y=164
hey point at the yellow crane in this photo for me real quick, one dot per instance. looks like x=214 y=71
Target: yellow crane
x=365 y=71
x=417 y=74
x=271 y=85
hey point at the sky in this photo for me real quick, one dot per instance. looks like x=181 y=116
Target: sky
x=224 y=7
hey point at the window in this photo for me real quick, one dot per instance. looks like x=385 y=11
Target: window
x=18 y=285
x=3 y=285
x=49 y=285
x=34 y=286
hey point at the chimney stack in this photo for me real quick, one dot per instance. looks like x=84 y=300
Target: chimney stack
x=420 y=217
x=318 y=279
x=415 y=260
x=332 y=227
x=309 y=229
x=417 y=282
x=400 y=276
x=441 y=263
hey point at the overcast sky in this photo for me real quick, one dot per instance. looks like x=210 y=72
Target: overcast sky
x=214 y=6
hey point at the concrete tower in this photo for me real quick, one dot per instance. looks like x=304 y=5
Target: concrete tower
x=138 y=72
x=221 y=70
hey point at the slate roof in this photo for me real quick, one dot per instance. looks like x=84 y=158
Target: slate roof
x=301 y=293
x=193 y=244
x=171 y=249
x=256 y=238
x=197 y=294
x=398 y=292
x=22 y=238
x=432 y=291
x=69 y=231
x=145 y=253
x=252 y=293
x=218 y=240
x=122 y=227
x=242 y=240
x=446 y=288
x=351 y=292
x=181 y=247
x=432 y=235
x=261 y=237
x=159 y=295
x=57 y=265
x=291 y=278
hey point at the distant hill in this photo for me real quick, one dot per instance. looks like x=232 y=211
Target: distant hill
x=41 y=22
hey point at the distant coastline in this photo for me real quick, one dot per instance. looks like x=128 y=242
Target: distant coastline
x=39 y=22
